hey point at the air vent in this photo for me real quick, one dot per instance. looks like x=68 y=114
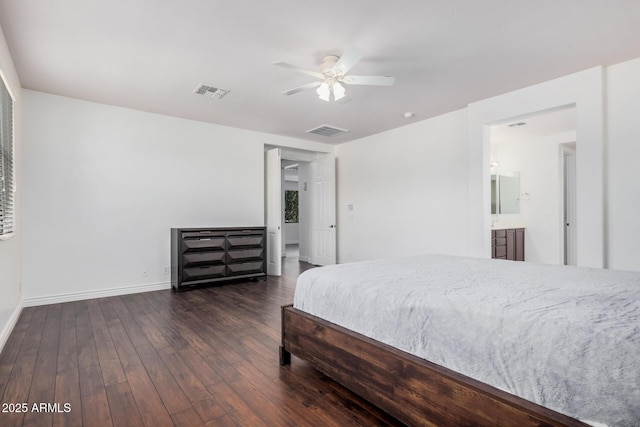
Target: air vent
x=517 y=125
x=326 y=130
x=211 y=91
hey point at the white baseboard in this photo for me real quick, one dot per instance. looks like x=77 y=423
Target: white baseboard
x=77 y=296
x=304 y=259
x=8 y=328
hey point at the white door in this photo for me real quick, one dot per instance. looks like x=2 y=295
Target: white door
x=569 y=224
x=273 y=212
x=323 y=210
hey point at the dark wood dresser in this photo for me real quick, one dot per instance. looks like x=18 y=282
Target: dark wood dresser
x=201 y=256
x=508 y=243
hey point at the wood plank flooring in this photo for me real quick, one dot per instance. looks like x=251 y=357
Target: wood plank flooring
x=205 y=357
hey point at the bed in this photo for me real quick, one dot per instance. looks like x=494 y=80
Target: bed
x=445 y=340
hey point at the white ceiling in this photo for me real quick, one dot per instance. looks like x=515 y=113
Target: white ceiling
x=151 y=54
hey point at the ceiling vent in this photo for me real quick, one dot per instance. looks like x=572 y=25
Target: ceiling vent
x=326 y=130
x=211 y=91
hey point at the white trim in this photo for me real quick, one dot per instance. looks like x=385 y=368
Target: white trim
x=298 y=155
x=4 y=336
x=304 y=259
x=77 y=296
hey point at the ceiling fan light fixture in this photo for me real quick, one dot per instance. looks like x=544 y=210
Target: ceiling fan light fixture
x=333 y=71
x=338 y=91
x=324 y=92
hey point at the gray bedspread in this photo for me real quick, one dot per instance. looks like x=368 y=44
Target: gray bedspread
x=567 y=338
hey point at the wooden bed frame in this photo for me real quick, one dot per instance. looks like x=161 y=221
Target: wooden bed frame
x=415 y=391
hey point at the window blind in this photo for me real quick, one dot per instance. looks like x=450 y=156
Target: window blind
x=6 y=161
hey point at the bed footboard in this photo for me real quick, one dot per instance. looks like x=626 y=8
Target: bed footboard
x=413 y=390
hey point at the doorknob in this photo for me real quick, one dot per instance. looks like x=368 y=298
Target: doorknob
x=332 y=226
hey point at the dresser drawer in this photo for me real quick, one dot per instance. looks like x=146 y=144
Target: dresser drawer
x=191 y=259
x=501 y=241
x=203 y=243
x=245 y=232
x=501 y=251
x=243 y=255
x=245 y=268
x=237 y=242
x=202 y=233
x=202 y=273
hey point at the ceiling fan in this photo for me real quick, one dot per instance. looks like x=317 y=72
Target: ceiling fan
x=333 y=72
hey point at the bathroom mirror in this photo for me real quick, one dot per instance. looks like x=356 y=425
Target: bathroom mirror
x=505 y=193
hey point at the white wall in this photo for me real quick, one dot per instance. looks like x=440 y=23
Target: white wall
x=103 y=185
x=10 y=249
x=622 y=166
x=408 y=189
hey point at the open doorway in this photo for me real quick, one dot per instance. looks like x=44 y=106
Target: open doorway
x=529 y=155
x=295 y=210
x=316 y=197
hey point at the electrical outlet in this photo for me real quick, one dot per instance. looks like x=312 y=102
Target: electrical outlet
x=145 y=272
x=166 y=270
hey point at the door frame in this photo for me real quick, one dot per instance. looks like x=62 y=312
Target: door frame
x=307 y=157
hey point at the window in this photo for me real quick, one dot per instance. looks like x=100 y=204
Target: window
x=291 y=206
x=6 y=161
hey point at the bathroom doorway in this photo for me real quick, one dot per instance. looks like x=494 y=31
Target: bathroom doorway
x=537 y=151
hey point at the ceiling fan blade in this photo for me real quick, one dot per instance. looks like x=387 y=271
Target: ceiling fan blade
x=301 y=88
x=349 y=57
x=369 y=80
x=298 y=69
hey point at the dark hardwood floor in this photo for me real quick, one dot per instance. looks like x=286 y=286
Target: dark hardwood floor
x=207 y=356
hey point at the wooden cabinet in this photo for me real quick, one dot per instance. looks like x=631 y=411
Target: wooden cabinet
x=201 y=256
x=508 y=244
